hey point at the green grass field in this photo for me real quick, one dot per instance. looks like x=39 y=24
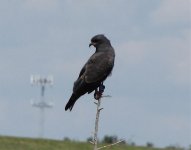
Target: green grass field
x=15 y=143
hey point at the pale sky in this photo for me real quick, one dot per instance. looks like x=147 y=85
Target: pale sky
x=150 y=83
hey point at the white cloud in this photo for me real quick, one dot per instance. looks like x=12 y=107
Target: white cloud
x=41 y=4
x=133 y=52
x=171 y=55
x=172 y=11
x=178 y=59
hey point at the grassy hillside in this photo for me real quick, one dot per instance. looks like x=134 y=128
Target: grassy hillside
x=13 y=143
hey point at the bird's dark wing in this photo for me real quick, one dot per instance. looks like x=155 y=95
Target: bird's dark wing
x=98 y=67
x=82 y=71
x=95 y=71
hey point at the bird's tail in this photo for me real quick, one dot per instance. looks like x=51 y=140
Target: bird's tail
x=71 y=101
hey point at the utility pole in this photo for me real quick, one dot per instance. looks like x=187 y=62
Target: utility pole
x=42 y=82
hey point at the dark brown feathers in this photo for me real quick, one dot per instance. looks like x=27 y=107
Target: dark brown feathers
x=95 y=71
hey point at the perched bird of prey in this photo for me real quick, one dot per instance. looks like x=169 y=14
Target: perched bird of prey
x=95 y=71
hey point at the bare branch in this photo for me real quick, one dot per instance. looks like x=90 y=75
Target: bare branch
x=98 y=95
x=92 y=142
x=110 y=145
x=100 y=109
x=96 y=124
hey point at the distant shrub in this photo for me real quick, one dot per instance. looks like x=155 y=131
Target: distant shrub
x=89 y=139
x=172 y=147
x=122 y=142
x=110 y=139
x=67 y=139
x=132 y=144
x=149 y=144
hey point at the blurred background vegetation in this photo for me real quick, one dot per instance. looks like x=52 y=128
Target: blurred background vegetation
x=16 y=143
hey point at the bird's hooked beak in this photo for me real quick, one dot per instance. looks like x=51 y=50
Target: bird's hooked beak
x=92 y=43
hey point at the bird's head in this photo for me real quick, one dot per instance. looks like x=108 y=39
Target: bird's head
x=99 y=40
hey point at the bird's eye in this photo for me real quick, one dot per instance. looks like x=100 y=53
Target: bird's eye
x=95 y=40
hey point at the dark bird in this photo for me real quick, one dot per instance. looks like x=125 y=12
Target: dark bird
x=95 y=71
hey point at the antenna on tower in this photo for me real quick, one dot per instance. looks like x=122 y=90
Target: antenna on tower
x=42 y=82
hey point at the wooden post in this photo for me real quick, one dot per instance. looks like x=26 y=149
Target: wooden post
x=98 y=96
x=97 y=123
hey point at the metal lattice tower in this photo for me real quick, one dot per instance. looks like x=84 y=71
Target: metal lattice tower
x=42 y=82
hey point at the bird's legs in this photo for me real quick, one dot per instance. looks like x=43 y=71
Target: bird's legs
x=99 y=91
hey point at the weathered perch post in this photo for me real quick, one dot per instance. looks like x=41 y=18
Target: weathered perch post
x=98 y=96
